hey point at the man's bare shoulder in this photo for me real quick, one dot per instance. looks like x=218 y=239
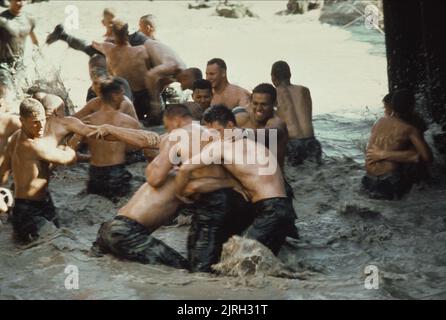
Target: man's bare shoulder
x=233 y=88
x=276 y=122
x=126 y=121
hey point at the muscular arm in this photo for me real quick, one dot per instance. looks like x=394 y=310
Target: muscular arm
x=184 y=173
x=59 y=155
x=88 y=109
x=158 y=170
x=408 y=156
x=135 y=137
x=421 y=146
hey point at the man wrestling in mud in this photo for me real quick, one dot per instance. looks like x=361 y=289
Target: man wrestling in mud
x=29 y=155
x=130 y=63
x=224 y=92
x=15 y=27
x=273 y=214
x=128 y=234
x=294 y=106
x=393 y=143
x=166 y=68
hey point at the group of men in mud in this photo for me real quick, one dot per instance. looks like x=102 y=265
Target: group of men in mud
x=195 y=164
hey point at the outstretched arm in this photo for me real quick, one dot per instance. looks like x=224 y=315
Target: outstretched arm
x=60 y=155
x=135 y=137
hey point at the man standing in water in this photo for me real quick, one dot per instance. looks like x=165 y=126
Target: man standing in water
x=394 y=142
x=15 y=27
x=29 y=155
x=294 y=106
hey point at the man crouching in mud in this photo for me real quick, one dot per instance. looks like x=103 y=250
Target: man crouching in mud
x=29 y=155
x=262 y=179
x=128 y=235
x=393 y=143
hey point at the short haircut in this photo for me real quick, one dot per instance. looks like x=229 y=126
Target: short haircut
x=219 y=113
x=29 y=107
x=202 y=84
x=109 y=12
x=120 y=30
x=148 y=19
x=110 y=86
x=281 y=70
x=196 y=73
x=403 y=102
x=219 y=62
x=177 y=110
x=387 y=98
x=97 y=61
x=267 y=89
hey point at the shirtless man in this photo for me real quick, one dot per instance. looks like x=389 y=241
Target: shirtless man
x=260 y=115
x=166 y=68
x=15 y=27
x=224 y=92
x=295 y=108
x=202 y=96
x=107 y=174
x=263 y=181
x=146 y=30
x=128 y=235
x=131 y=63
x=81 y=45
x=29 y=156
x=394 y=142
x=9 y=124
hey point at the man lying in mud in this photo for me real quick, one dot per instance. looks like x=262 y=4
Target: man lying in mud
x=394 y=142
x=224 y=93
x=294 y=106
x=274 y=216
x=131 y=63
x=15 y=27
x=155 y=203
x=166 y=68
x=29 y=155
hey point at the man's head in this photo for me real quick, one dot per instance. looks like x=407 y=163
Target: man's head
x=147 y=25
x=32 y=117
x=112 y=92
x=202 y=93
x=263 y=100
x=53 y=105
x=280 y=73
x=107 y=17
x=175 y=116
x=219 y=117
x=15 y=6
x=97 y=66
x=120 y=30
x=403 y=103
x=188 y=76
x=216 y=72
x=387 y=102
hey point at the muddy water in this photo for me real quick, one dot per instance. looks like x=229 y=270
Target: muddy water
x=341 y=233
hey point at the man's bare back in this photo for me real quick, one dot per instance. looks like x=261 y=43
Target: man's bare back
x=126 y=61
x=96 y=104
x=393 y=134
x=294 y=106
